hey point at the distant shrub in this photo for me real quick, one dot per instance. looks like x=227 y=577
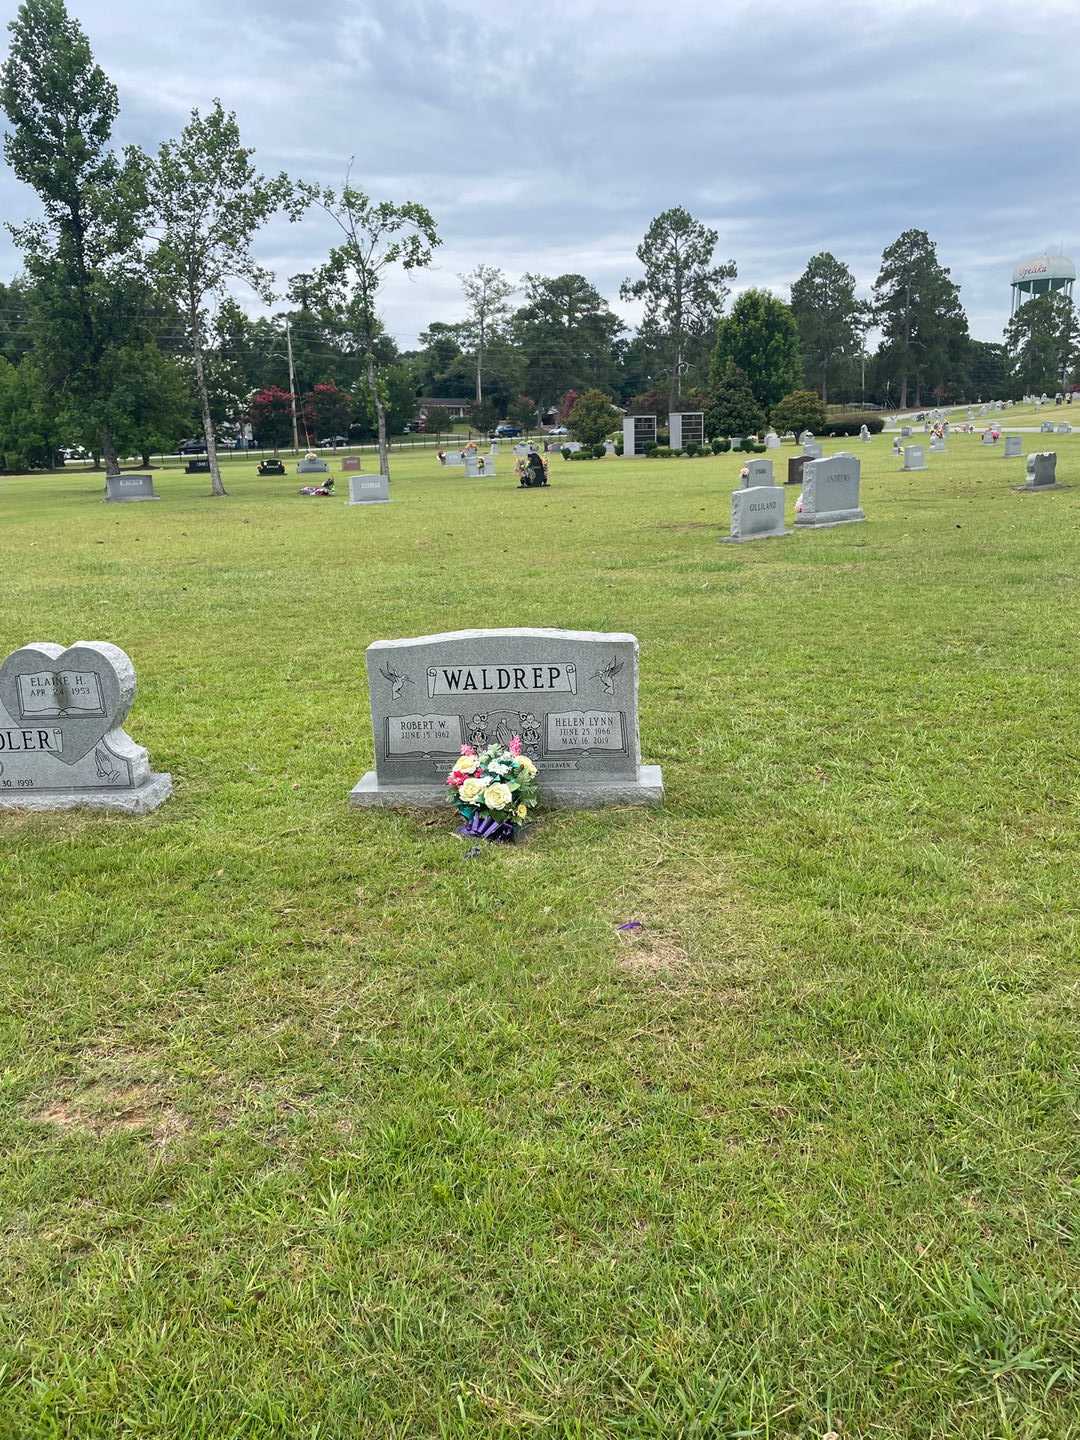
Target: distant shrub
x=748 y=446
x=598 y=451
x=693 y=449
x=661 y=452
x=851 y=424
x=619 y=447
x=720 y=446
x=649 y=449
x=567 y=453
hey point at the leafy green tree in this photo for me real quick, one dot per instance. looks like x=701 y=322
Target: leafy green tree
x=567 y=334
x=438 y=372
x=487 y=292
x=375 y=237
x=917 y=307
x=733 y=408
x=761 y=338
x=801 y=410
x=522 y=411
x=208 y=202
x=30 y=428
x=84 y=257
x=397 y=389
x=149 y=399
x=1043 y=341
x=831 y=321
x=592 y=418
x=483 y=416
x=683 y=290
x=988 y=371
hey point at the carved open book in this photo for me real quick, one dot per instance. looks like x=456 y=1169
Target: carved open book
x=56 y=694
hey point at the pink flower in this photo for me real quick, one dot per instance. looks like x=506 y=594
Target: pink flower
x=515 y=745
x=467 y=750
x=455 y=778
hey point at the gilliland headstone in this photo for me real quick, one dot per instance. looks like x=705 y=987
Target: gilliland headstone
x=1041 y=472
x=571 y=695
x=61 y=741
x=830 y=493
x=914 y=458
x=368 y=490
x=795 y=469
x=122 y=488
x=1013 y=447
x=757 y=513
x=312 y=467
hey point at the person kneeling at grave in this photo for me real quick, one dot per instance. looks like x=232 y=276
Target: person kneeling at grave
x=326 y=488
x=533 y=471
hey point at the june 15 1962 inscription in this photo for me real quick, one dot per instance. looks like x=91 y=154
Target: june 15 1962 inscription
x=570 y=695
x=61 y=739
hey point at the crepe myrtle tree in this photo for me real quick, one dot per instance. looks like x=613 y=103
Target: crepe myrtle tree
x=376 y=236
x=208 y=202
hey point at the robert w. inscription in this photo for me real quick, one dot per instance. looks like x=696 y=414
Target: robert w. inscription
x=487 y=685
x=61 y=737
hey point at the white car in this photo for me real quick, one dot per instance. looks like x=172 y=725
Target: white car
x=559 y=430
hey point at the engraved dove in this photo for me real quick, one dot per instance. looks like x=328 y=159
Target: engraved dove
x=608 y=674
x=396 y=681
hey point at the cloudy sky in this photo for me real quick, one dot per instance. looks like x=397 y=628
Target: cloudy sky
x=544 y=136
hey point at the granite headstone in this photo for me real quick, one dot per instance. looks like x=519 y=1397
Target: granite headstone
x=914 y=458
x=119 y=489
x=1014 y=446
x=62 y=744
x=757 y=513
x=571 y=695
x=368 y=490
x=830 y=493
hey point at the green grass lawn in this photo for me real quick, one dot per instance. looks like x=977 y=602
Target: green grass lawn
x=315 y=1130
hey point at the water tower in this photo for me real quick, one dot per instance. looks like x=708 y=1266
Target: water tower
x=1041 y=275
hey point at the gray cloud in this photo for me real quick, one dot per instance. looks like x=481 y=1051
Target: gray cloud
x=545 y=137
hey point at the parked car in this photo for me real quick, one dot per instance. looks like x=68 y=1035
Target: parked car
x=505 y=431
x=333 y=442
x=191 y=447
x=558 y=430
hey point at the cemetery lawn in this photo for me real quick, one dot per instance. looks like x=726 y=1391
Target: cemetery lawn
x=314 y=1128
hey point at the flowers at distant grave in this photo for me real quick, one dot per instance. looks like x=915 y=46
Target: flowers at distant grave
x=494 y=790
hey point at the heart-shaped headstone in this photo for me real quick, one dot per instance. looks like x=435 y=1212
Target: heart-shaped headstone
x=84 y=691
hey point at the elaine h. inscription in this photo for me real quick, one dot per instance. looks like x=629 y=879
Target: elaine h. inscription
x=82 y=756
x=489 y=685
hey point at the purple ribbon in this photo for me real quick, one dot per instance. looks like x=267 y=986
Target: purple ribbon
x=486 y=827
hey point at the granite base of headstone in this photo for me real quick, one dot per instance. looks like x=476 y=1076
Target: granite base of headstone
x=1041 y=470
x=122 y=489
x=757 y=513
x=368 y=490
x=62 y=745
x=571 y=695
x=830 y=494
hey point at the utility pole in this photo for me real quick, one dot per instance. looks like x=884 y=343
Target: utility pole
x=292 y=385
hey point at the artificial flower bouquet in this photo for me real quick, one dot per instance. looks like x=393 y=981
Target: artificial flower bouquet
x=493 y=791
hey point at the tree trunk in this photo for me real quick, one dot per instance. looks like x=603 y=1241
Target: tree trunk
x=216 y=486
x=145 y=459
x=903 y=392
x=108 y=451
x=380 y=413
x=825 y=383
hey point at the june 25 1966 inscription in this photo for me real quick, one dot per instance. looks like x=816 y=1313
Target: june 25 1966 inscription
x=570 y=695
